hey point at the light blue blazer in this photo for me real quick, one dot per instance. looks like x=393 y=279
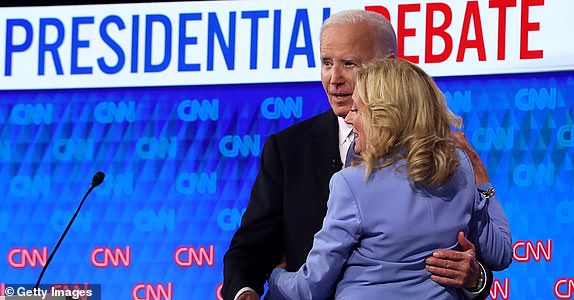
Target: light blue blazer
x=377 y=234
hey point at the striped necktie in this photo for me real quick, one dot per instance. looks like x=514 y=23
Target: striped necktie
x=351 y=156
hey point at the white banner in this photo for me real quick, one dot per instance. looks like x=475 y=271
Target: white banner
x=229 y=42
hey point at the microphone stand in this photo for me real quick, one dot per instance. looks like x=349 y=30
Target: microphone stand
x=95 y=182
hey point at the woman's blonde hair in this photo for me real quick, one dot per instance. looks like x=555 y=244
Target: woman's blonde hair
x=405 y=116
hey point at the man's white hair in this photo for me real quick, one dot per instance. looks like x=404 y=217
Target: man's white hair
x=383 y=31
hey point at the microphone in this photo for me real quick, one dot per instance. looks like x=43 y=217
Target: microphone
x=96 y=180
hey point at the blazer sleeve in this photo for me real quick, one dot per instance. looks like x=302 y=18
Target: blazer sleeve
x=489 y=229
x=494 y=240
x=332 y=246
x=256 y=247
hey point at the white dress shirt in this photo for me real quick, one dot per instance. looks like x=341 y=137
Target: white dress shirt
x=345 y=138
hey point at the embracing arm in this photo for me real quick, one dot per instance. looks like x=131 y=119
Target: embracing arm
x=494 y=235
x=331 y=248
x=257 y=245
x=493 y=241
x=461 y=268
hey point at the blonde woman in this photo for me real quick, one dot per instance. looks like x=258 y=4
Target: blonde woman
x=410 y=194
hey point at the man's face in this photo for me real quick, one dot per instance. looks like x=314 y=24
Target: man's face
x=343 y=48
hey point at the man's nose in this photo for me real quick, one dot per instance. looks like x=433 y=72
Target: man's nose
x=337 y=76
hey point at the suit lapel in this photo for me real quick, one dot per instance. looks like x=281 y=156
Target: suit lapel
x=325 y=149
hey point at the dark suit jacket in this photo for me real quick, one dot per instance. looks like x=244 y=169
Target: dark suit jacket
x=288 y=203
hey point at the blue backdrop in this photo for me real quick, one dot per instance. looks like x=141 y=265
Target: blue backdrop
x=180 y=162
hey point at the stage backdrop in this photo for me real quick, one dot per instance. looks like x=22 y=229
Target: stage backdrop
x=174 y=101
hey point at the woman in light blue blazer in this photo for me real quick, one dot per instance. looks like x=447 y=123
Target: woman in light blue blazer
x=410 y=194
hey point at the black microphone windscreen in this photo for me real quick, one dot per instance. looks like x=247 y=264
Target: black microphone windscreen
x=98 y=179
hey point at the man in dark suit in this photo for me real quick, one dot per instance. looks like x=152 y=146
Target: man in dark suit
x=288 y=198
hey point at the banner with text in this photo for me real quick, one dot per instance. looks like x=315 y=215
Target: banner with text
x=222 y=42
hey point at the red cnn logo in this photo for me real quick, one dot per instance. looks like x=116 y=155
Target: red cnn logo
x=73 y=288
x=185 y=256
x=529 y=250
x=569 y=283
x=499 y=289
x=147 y=291
x=101 y=257
x=19 y=258
x=218 y=295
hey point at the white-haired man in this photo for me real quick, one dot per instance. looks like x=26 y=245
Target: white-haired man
x=288 y=199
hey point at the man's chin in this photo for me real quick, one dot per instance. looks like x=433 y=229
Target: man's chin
x=341 y=111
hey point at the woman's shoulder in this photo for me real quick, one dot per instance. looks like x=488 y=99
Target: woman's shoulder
x=352 y=172
x=464 y=160
x=356 y=174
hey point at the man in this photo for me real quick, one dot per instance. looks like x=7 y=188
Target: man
x=288 y=198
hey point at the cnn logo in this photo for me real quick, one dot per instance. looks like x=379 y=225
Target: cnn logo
x=21 y=258
x=500 y=289
x=523 y=251
x=148 y=291
x=563 y=288
x=187 y=256
x=103 y=257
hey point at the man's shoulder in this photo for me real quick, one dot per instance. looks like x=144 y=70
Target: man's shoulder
x=312 y=125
